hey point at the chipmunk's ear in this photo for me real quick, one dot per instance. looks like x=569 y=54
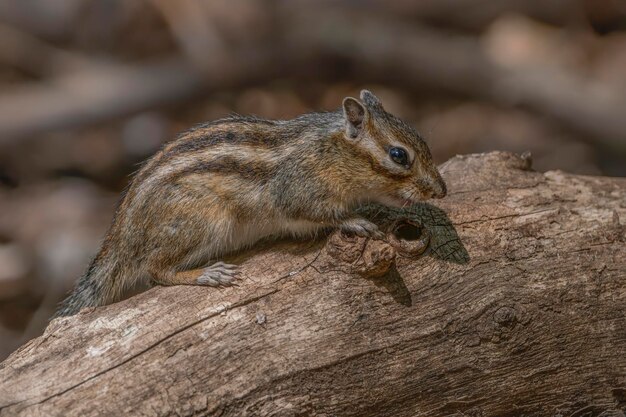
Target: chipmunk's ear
x=370 y=100
x=356 y=116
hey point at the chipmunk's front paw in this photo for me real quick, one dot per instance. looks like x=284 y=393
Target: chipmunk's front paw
x=219 y=274
x=362 y=227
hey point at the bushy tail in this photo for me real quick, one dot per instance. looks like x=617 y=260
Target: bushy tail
x=94 y=288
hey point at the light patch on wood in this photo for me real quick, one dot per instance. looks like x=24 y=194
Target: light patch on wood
x=99 y=350
x=115 y=322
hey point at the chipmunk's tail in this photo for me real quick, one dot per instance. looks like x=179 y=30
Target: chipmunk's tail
x=97 y=287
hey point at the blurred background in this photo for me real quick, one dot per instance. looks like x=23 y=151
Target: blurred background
x=89 y=88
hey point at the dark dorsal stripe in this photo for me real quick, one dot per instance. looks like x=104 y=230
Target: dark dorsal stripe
x=201 y=139
x=255 y=171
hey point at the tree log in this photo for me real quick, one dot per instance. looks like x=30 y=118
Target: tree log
x=516 y=308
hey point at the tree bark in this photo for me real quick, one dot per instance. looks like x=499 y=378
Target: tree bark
x=516 y=308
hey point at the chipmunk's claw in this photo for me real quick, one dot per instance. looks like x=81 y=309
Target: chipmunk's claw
x=362 y=227
x=219 y=274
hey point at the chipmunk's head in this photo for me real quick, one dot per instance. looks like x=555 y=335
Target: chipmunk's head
x=399 y=161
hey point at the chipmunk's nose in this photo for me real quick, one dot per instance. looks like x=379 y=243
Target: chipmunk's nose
x=438 y=187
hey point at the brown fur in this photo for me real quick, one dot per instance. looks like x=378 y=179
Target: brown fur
x=224 y=185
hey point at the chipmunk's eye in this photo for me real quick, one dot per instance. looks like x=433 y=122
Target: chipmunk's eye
x=399 y=156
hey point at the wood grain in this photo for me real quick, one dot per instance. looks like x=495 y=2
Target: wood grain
x=517 y=308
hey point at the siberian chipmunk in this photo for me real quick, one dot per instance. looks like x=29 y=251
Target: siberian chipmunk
x=226 y=184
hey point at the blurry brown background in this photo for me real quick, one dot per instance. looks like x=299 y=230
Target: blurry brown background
x=92 y=87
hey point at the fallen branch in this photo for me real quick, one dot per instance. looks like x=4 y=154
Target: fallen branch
x=103 y=92
x=517 y=308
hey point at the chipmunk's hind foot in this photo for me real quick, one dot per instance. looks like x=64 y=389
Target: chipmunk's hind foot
x=219 y=274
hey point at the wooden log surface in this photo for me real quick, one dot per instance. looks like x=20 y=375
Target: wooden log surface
x=517 y=308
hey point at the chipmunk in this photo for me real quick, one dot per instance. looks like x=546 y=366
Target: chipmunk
x=224 y=185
